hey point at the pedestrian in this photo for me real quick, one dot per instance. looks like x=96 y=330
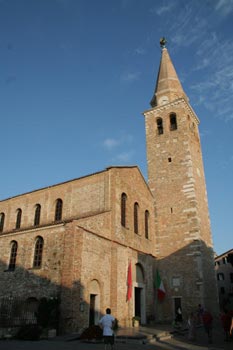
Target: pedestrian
x=192 y=327
x=207 y=320
x=107 y=323
x=200 y=311
x=231 y=328
x=179 y=318
x=226 y=323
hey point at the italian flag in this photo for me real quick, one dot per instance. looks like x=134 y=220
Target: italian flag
x=160 y=287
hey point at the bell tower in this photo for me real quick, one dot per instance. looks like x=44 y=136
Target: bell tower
x=176 y=178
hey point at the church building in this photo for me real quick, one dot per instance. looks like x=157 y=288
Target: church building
x=99 y=240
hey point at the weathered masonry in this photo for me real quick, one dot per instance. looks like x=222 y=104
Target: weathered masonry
x=75 y=241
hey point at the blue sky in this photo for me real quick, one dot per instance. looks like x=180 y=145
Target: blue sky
x=76 y=75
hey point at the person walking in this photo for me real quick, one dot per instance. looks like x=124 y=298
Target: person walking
x=226 y=323
x=207 y=319
x=231 y=328
x=179 y=318
x=200 y=311
x=192 y=327
x=107 y=323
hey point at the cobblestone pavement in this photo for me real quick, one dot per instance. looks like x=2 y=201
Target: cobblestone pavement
x=130 y=340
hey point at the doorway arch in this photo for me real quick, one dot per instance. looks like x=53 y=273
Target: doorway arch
x=140 y=293
x=94 y=302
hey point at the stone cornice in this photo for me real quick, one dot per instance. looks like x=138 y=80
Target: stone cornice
x=171 y=104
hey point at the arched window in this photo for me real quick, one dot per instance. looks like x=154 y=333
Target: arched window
x=160 y=126
x=135 y=215
x=123 y=209
x=147 y=224
x=12 y=262
x=18 y=218
x=2 y=219
x=37 y=215
x=58 y=210
x=38 y=252
x=173 y=122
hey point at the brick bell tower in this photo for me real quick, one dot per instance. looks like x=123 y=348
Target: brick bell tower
x=176 y=178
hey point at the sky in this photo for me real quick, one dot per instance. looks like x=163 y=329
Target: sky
x=76 y=75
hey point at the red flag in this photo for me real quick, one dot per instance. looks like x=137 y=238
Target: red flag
x=129 y=282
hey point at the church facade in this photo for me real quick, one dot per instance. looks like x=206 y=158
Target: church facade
x=78 y=240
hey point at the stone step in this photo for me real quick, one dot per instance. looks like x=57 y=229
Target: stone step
x=163 y=336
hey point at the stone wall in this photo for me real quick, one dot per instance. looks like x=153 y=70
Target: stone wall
x=86 y=253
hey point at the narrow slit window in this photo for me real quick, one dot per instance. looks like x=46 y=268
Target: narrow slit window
x=2 y=220
x=169 y=160
x=123 y=209
x=146 y=224
x=37 y=215
x=136 y=209
x=58 y=210
x=18 y=218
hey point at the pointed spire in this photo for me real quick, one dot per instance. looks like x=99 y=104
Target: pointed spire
x=168 y=87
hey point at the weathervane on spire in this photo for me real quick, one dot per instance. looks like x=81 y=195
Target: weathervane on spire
x=163 y=42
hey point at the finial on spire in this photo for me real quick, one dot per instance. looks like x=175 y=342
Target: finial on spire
x=163 y=42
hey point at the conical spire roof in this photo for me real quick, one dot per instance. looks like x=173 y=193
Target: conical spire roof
x=168 y=87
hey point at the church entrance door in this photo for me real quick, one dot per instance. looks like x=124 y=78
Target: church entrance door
x=94 y=302
x=92 y=310
x=137 y=301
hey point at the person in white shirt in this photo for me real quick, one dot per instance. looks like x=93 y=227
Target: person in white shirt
x=107 y=323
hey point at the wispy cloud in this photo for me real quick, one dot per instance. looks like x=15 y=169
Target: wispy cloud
x=130 y=76
x=117 y=146
x=202 y=64
x=125 y=157
x=162 y=9
x=111 y=143
x=184 y=34
x=217 y=76
x=196 y=28
x=140 y=51
x=225 y=7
